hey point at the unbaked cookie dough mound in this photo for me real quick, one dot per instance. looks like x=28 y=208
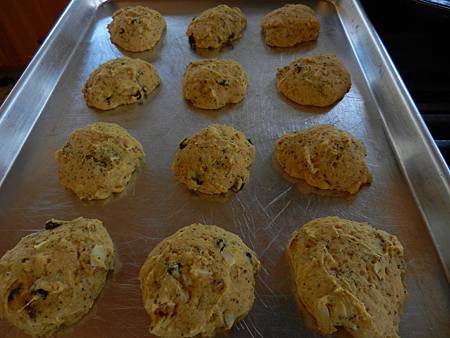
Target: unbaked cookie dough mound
x=119 y=82
x=213 y=83
x=51 y=278
x=325 y=157
x=314 y=81
x=290 y=25
x=216 y=160
x=197 y=281
x=98 y=160
x=136 y=29
x=216 y=27
x=350 y=275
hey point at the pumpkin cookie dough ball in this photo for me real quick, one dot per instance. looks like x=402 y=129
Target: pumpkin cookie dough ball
x=197 y=281
x=136 y=29
x=216 y=27
x=314 y=81
x=325 y=157
x=212 y=84
x=290 y=25
x=98 y=160
x=216 y=160
x=51 y=278
x=349 y=275
x=120 y=81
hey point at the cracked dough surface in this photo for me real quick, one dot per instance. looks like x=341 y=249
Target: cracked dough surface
x=325 y=157
x=290 y=25
x=215 y=160
x=137 y=28
x=119 y=82
x=319 y=80
x=216 y=27
x=98 y=160
x=199 y=280
x=349 y=275
x=213 y=83
x=52 y=277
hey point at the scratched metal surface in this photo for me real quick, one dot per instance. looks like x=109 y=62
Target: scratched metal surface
x=264 y=214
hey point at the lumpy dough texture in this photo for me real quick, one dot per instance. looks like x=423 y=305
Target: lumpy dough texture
x=197 y=281
x=119 y=82
x=51 y=278
x=314 y=81
x=325 y=157
x=136 y=29
x=216 y=160
x=212 y=84
x=98 y=160
x=290 y=25
x=216 y=27
x=349 y=275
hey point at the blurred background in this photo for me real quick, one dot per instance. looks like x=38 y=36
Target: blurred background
x=24 y=24
x=415 y=33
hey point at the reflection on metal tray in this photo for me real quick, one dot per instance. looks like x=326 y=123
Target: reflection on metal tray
x=47 y=104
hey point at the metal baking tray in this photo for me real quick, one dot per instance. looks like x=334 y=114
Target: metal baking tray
x=409 y=197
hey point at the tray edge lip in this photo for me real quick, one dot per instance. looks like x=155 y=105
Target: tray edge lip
x=437 y=161
x=7 y=114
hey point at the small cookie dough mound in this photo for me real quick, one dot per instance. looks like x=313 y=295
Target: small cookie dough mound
x=98 y=160
x=212 y=84
x=120 y=81
x=314 y=81
x=216 y=27
x=136 y=29
x=216 y=160
x=325 y=157
x=197 y=281
x=51 y=278
x=290 y=25
x=349 y=275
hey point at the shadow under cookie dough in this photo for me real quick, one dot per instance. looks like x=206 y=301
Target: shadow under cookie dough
x=307 y=189
x=306 y=109
x=213 y=53
x=214 y=112
x=220 y=198
x=294 y=50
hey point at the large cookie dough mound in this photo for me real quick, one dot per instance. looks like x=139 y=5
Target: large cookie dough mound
x=314 y=81
x=349 y=275
x=290 y=25
x=51 y=278
x=325 y=157
x=216 y=160
x=136 y=29
x=197 y=281
x=120 y=81
x=98 y=160
x=212 y=84
x=216 y=27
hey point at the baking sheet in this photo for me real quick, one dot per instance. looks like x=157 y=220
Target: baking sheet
x=264 y=213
